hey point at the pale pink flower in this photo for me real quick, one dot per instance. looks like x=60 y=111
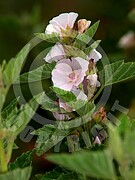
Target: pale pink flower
x=62 y=22
x=127 y=41
x=69 y=73
x=56 y=53
x=94 y=55
x=93 y=80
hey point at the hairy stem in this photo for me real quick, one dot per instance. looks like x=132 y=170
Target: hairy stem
x=98 y=93
x=2 y=157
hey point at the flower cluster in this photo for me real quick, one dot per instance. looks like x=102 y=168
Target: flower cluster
x=72 y=72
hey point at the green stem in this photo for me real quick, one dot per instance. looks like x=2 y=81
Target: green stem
x=70 y=144
x=2 y=157
x=9 y=150
x=98 y=93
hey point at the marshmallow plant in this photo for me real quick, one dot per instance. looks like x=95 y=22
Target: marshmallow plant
x=75 y=70
x=71 y=66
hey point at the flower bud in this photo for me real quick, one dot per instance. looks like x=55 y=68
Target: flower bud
x=83 y=25
x=100 y=116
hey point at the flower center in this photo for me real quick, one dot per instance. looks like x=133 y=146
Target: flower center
x=72 y=76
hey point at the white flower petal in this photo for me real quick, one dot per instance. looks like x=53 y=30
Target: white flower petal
x=65 y=76
x=56 y=53
x=80 y=77
x=58 y=78
x=67 y=86
x=52 y=29
x=67 y=61
x=93 y=80
x=71 y=19
x=79 y=94
x=61 y=22
x=80 y=63
x=95 y=55
x=63 y=68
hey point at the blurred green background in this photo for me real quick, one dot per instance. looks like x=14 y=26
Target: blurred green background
x=19 y=20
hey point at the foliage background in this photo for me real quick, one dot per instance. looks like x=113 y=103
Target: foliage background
x=19 y=20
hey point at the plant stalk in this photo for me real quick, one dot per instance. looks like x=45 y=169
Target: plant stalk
x=2 y=157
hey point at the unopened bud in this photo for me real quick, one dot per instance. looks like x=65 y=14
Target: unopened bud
x=83 y=25
x=100 y=116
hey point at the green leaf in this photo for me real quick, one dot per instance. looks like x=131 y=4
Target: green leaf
x=91 y=47
x=67 y=177
x=52 y=38
x=17 y=174
x=14 y=66
x=10 y=109
x=15 y=146
x=23 y=161
x=117 y=72
x=72 y=51
x=80 y=106
x=59 y=173
x=54 y=174
x=75 y=123
x=93 y=164
x=83 y=39
x=26 y=112
x=41 y=73
x=115 y=144
x=49 y=104
x=67 y=96
x=49 y=136
x=2 y=100
x=129 y=145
